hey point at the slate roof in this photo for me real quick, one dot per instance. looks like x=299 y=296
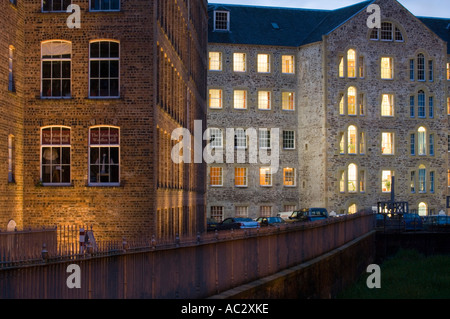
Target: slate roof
x=297 y=27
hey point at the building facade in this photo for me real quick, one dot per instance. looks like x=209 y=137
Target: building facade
x=96 y=108
x=369 y=104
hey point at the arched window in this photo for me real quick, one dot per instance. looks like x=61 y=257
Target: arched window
x=104 y=155
x=56 y=69
x=422 y=179
x=351 y=100
x=104 y=72
x=351 y=134
x=351 y=63
x=423 y=209
x=422 y=141
x=421 y=104
x=55 y=155
x=352 y=209
x=352 y=178
x=421 y=67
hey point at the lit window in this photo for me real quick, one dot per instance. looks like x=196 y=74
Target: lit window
x=264 y=138
x=386 y=179
x=104 y=69
x=361 y=67
x=351 y=100
x=55 y=155
x=216 y=176
x=387 y=143
x=263 y=63
x=352 y=133
x=288 y=101
x=287 y=64
x=448 y=178
x=342 y=104
x=362 y=181
x=342 y=143
x=352 y=209
x=352 y=178
x=387 y=70
x=56 y=69
x=288 y=140
x=413 y=182
x=11 y=81
x=422 y=141
x=264 y=100
x=221 y=21
x=342 y=181
x=240 y=176
x=265 y=176
x=104 y=157
x=362 y=106
x=289 y=176
x=55 y=5
x=448 y=105
x=423 y=209
x=387 y=105
x=351 y=63
x=215 y=61
x=341 y=67
x=448 y=71
x=215 y=99
x=239 y=62
x=240 y=99
x=105 y=5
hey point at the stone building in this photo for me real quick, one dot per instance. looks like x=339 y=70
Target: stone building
x=92 y=112
x=367 y=104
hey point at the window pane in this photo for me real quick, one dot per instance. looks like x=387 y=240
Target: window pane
x=351 y=63
x=386 y=68
x=352 y=178
x=386 y=181
x=387 y=105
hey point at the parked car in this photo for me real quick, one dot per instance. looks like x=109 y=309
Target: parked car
x=309 y=215
x=413 y=221
x=284 y=215
x=437 y=222
x=270 y=221
x=211 y=224
x=237 y=223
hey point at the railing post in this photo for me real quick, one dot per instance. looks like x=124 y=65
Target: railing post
x=44 y=253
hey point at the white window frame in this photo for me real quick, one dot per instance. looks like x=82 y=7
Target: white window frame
x=61 y=78
x=216 y=96
x=389 y=70
x=266 y=172
x=264 y=138
x=289 y=136
x=108 y=145
x=239 y=62
x=62 y=3
x=288 y=101
x=263 y=63
x=103 y=10
x=240 y=99
x=288 y=64
x=227 y=13
x=213 y=62
x=99 y=78
x=264 y=100
x=245 y=176
x=240 y=139
x=216 y=132
x=220 y=177
x=293 y=177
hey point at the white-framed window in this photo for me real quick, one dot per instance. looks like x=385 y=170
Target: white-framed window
x=387 y=143
x=215 y=61
x=239 y=62
x=387 y=68
x=215 y=138
x=241 y=176
x=289 y=176
x=289 y=140
x=221 y=20
x=240 y=138
x=104 y=155
x=287 y=64
x=265 y=211
x=264 y=138
x=387 y=105
x=55 y=5
x=263 y=65
x=215 y=176
x=216 y=213
x=386 y=179
x=11 y=158
x=241 y=211
x=422 y=179
x=215 y=98
x=56 y=57
x=387 y=32
x=104 y=69
x=105 y=5
x=288 y=101
x=265 y=176
x=55 y=155
x=264 y=100
x=240 y=99
x=420 y=67
x=421 y=112
x=11 y=81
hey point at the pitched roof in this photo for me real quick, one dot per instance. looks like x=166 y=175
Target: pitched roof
x=257 y=25
x=254 y=24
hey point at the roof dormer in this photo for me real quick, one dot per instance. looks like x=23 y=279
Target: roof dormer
x=221 y=20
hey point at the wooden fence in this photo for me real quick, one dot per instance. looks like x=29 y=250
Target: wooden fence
x=186 y=268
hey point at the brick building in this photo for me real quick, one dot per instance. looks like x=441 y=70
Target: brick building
x=92 y=111
x=362 y=104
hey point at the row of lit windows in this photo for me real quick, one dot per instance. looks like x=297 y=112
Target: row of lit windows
x=242 y=138
x=263 y=65
x=353 y=103
x=353 y=142
x=353 y=180
x=103 y=158
x=240 y=100
x=216 y=175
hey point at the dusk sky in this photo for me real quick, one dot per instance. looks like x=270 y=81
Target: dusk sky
x=422 y=8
